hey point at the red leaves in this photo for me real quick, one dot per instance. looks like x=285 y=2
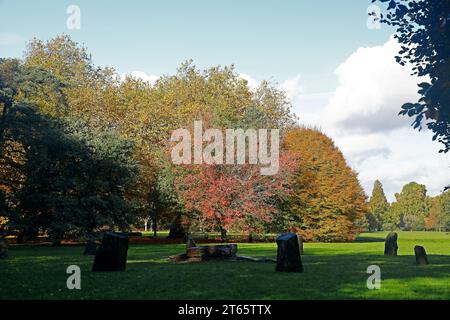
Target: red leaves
x=235 y=197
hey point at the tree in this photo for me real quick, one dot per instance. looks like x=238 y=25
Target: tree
x=3 y=213
x=69 y=179
x=236 y=198
x=378 y=207
x=411 y=207
x=423 y=30
x=328 y=203
x=438 y=218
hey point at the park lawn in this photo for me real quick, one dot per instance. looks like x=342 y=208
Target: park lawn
x=332 y=271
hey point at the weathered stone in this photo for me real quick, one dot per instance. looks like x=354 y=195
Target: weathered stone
x=288 y=254
x=90 y=249
x=421 y=255
x=390 y=245
x=190 y=243
x=3 y=249
x=112 y=254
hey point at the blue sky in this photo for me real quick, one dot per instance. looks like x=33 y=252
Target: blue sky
x=340 y=75
x=268 y=39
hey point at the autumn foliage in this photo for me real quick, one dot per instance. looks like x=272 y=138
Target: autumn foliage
x=237 y=198
x=328 y=202
x=120 y=130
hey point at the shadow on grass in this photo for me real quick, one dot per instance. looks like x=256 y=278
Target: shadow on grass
x=150 y=275
x=368 y=239
x=325 y=277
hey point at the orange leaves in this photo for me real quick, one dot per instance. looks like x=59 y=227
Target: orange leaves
x=327 y=193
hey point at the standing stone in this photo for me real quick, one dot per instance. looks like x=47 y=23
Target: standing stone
x=288 y=254
x=421 y=255
x=190 y=243
x=390 y=245
x=90 y=249
x=3 y=249
x=112 y=254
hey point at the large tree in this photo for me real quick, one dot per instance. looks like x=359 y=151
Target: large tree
x=438 y=218
x=409 y=210
x=378 y=207
x=237 y=198
x=328 y=203
x=65 y=178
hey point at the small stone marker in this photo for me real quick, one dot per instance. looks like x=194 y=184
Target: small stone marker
x=421 y=255
x=288 y=254
x=112 y=254
x=390 y=245
x=90 y=249
x=3 y=249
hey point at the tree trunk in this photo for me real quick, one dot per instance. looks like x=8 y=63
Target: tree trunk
x=19 y=238
x=176 y=229
x=223 y=235
x=155 y=227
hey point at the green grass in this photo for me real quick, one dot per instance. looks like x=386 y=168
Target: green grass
x=332 y=271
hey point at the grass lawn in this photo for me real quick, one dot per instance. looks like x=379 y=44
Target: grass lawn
x=332 y=271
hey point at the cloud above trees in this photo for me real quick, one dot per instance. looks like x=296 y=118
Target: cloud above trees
x=361 y=117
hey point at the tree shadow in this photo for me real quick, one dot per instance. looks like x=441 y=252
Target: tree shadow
x=368 y=239
x=341 y=276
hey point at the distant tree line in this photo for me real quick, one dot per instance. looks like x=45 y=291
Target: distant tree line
x=412 y=210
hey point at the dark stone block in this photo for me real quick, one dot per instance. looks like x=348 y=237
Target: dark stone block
x=421 y=255
x=112 y=254
x=390 y=245
x=288 y=254
x=3 y=249
x=90 y=249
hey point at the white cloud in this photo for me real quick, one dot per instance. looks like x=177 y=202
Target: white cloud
x=10 y=39
x=361 y=116
x=372 y=87
x=141 y=75
x=293 y=87
x=252 y=83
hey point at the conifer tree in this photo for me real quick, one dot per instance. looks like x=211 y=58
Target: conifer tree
x=378 y=206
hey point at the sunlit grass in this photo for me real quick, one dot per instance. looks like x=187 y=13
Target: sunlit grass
x=332 y=271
